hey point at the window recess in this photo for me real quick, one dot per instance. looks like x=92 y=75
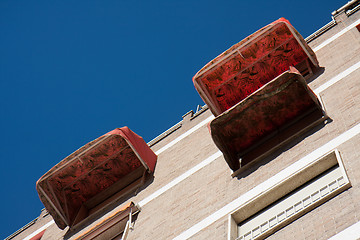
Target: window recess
x=291 y=199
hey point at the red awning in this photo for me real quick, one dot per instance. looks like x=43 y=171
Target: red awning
x=250 y=64
x=94 y=173
x=270 y=116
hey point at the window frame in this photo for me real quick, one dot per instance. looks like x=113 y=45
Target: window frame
x=286 y=186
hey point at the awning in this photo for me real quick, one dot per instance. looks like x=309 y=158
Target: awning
x=110 y=226
x=270 y=116
x=94 y=173
x=250 y=64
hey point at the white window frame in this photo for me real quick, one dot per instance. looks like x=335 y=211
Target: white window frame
x=287 y=185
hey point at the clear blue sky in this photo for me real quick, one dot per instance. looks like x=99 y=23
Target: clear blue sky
x=71 y=71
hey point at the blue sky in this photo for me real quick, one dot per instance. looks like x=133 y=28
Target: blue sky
x=71 y=71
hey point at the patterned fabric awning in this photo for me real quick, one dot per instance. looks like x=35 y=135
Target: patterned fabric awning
x=94 y=173
x=254 y=125
x=250 y=64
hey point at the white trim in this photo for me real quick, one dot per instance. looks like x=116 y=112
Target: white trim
x=329 y=40
x=271 y=182
x=337 y=78
x=350 y=233
x=180 y=178
x=182 y=136
x=39 y=230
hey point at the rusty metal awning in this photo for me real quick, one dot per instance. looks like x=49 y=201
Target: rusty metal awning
x=94 y=173
x=270 y=116
x=251 y=63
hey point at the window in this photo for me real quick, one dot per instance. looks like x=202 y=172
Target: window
x=294 y=197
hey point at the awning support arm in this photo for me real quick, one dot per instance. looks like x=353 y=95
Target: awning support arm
x=129 y=226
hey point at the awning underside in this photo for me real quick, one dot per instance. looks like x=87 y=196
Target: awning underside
x=252 y=63
x=264 y=113
x=110 y=226
x=90 y=175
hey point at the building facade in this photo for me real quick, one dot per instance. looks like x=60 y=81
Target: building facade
x=307 y=187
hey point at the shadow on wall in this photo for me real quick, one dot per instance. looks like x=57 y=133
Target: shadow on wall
x=319 y=71
x=253 y=166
